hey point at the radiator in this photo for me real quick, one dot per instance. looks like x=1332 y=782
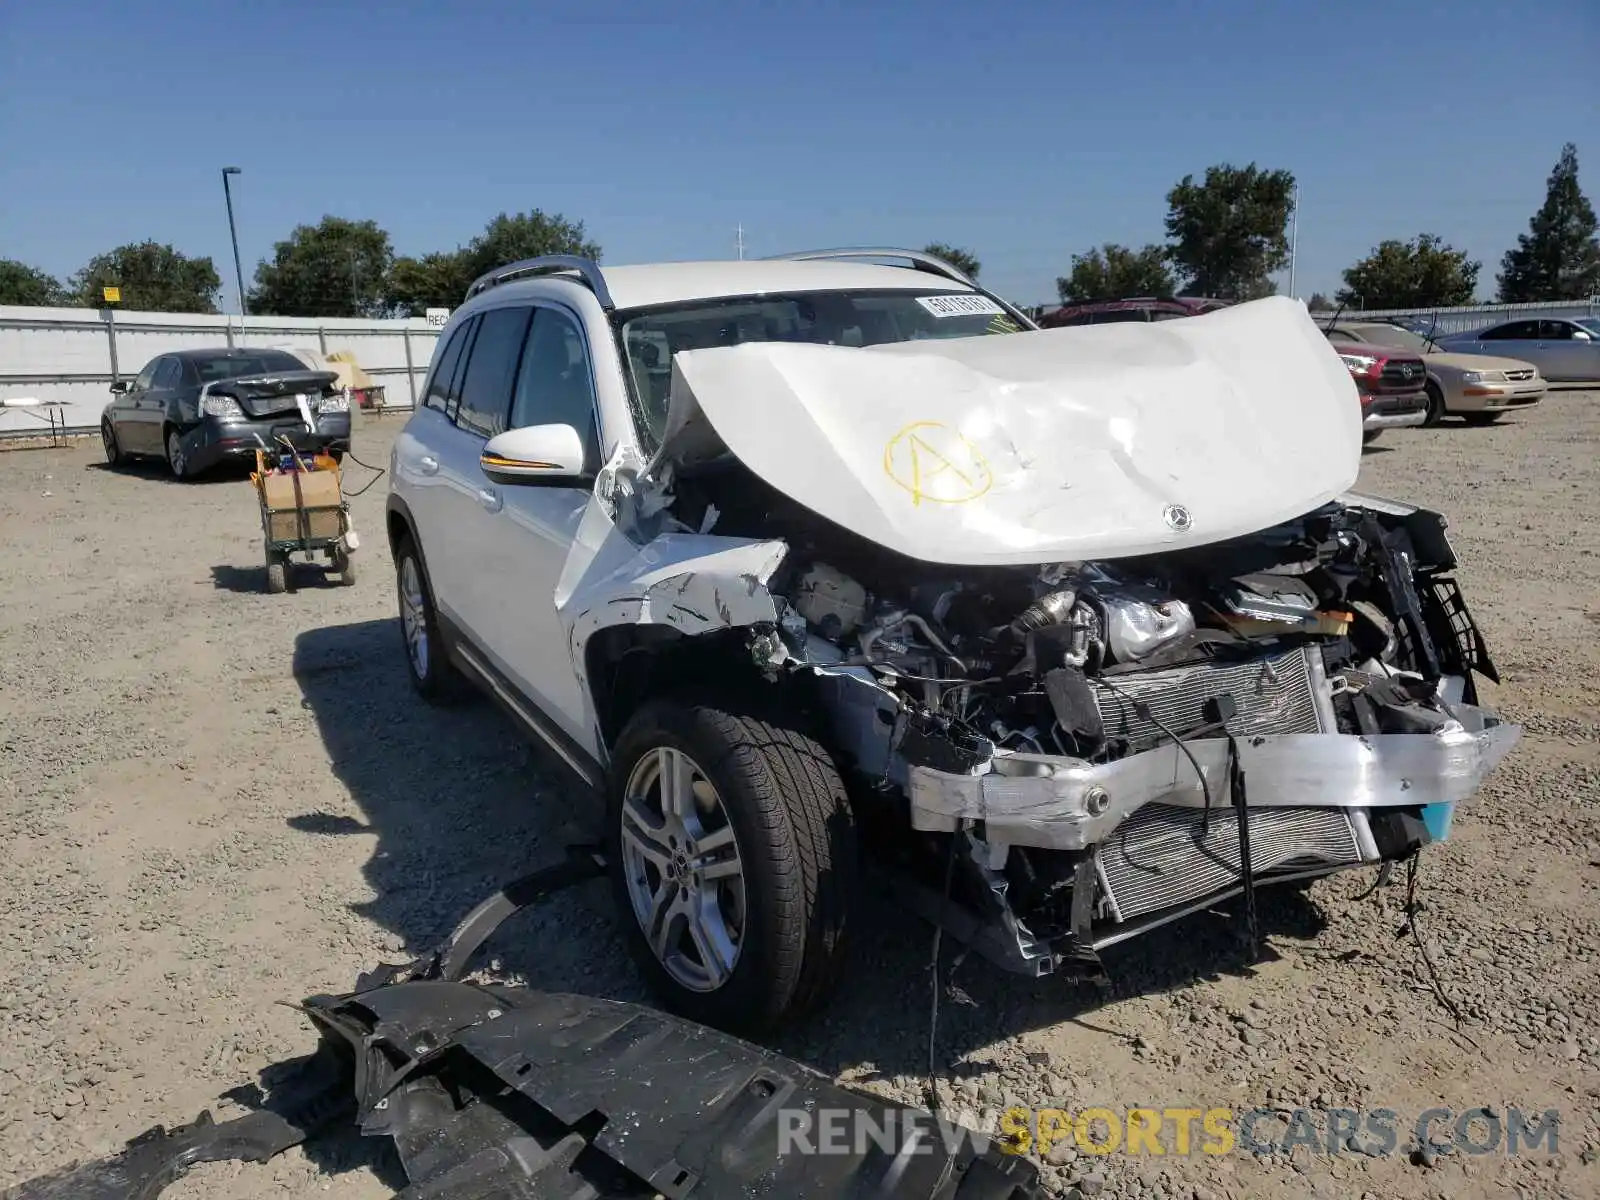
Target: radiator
x=1157 y=859
x=1273 y=694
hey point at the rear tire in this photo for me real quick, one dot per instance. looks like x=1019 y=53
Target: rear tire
x=277 y=577
x=793 y=848
x=1480 y=418
x=427 y=660
x=1436 y=411
x=177 y=460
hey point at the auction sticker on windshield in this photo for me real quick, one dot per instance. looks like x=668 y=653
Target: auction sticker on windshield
x=960 y=306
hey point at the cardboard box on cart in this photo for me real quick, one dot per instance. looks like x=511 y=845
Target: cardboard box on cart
x=319 y=492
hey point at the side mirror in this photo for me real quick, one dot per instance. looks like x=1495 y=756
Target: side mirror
x=547 y=454
x=1579 y=335
x=120 y=387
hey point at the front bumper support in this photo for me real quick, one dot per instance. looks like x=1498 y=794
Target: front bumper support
x=1060 y=803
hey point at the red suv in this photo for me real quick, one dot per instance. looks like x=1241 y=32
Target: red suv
x=1393 y=385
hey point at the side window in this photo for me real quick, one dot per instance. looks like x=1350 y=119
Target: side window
x=1555 y=331
x=555 y=385
x=444 y=371
x=491 y=371
x=1513 y=331
x=147 y=376
x=169 y=375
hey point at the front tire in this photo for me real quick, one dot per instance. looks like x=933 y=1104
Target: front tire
x=732 y=851
x=427 y=661
x=108 y=439
x=1436 y=411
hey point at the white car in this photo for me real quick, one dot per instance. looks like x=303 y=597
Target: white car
x=812 y=562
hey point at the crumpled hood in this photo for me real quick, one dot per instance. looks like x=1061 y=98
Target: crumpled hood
x=1036 y=447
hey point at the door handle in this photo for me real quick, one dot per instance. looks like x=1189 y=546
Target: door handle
x=428 y=465
x=490 y=499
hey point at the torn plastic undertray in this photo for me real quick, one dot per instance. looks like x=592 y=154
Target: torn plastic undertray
x=515 y=1094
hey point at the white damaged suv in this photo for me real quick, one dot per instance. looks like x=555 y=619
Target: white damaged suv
x=819 y=561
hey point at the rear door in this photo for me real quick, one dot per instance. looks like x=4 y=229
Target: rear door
x=149 y=411
x=419 y=454
x=160 y=407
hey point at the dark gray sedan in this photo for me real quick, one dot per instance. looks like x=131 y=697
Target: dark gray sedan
x=198 y=408
x=1565 y=349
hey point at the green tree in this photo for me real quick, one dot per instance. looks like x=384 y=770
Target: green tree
x=437 y=280
x=153 y=278
x=1228 y=230
x=1319 y=303
x=1113 y=272
x=441 y=279
x=1423 y=273
x=962 y=260
x=22 y=284
x=509 y=239
x=336 y=268
x=1559 y=257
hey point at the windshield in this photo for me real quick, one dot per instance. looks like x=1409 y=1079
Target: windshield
x=236 y=366
x=1393 y=335
x=650 y=337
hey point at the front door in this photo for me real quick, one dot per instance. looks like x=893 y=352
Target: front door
x=1566 y=354
x=533 y=528
x=467 y=557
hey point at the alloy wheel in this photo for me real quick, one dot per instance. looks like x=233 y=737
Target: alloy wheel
x=683 y=871
x=414 y=616
x=175 y=456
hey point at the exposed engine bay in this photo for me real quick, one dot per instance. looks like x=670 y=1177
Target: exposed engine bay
x=1083 y=730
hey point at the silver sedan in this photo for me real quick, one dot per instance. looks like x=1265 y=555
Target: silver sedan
x=1565 y=349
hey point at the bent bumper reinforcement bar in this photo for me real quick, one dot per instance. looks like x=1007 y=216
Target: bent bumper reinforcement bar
x=1061 y=803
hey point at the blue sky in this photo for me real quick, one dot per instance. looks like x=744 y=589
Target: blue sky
x=1024 y=132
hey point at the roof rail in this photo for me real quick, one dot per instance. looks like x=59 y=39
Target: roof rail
x=921 y=260
x=549 y=264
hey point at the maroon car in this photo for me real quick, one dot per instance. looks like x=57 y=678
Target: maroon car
x=1393 y=385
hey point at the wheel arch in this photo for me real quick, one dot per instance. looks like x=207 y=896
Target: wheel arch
x=399 y=524
x=627 y=665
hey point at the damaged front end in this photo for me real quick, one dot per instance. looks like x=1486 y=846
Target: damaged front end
x=1086 y=731
x=977 y=561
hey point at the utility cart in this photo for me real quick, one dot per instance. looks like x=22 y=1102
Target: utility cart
x=303 y=510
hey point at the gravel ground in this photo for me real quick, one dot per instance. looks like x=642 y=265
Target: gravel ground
x=212 y=799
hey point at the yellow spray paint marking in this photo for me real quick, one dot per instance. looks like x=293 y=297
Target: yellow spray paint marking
x=933 y=462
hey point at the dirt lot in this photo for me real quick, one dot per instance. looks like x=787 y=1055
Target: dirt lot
x=212 y=799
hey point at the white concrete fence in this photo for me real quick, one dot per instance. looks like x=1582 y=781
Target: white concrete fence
x=72 y=355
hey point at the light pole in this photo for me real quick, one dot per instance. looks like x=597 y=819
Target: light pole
x=1294 y=239
x=238 y=271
